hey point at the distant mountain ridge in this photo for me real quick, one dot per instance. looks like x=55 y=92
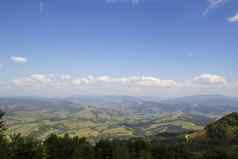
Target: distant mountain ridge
x=212 y=100
x=216 y=105
x=200 y=103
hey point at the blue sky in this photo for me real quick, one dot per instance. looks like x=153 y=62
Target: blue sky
x=169 y=40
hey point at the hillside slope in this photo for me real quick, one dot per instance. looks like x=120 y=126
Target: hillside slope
x=225 y=128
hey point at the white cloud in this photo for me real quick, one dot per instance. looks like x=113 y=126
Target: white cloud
x=214 y=4
x=18 y=59
x=148 y=81
x=77 y=81
x=66 y=77
x=209 y=79
x=104 y=79
x=233 y=19
x=40 y=78
x=33 y=80
x=129 y=81
x=84 y=81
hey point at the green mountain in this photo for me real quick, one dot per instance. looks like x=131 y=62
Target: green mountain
x=224 y=129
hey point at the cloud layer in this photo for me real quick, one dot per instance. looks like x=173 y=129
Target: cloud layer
x=37 y=80
x=129 y=85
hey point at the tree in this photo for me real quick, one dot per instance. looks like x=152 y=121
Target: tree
x=25 y=148
x=3 y=148
x=120 y=150
x=3 y=141
x=217 y=153
x=2 y=123
x=103 y=150
x=59 y=147
x=82 y=149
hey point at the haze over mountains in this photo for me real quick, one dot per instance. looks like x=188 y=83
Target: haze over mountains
x=214 y=104
x=113 y=116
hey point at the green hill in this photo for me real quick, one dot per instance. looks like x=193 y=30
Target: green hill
x=224 y=129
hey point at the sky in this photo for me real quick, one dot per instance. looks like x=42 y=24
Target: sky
x=118 y=47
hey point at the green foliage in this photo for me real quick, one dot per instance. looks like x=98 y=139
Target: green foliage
x=82 y=149
x=67 y=147
x=1 y=122
x=103 y=149
x=225 y=128
x=120 y=151
x=3 y=148
x=3 y=142
x=25 y=148
x=59 y=148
